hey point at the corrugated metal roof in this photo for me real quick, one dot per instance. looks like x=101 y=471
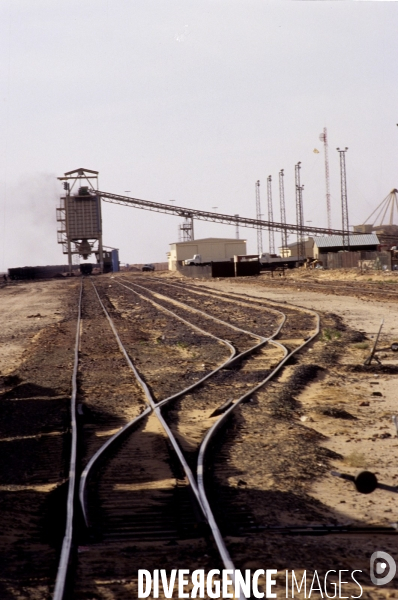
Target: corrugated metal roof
x=332 y=241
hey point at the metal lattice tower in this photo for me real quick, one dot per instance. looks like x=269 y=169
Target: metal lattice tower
x=299 y=214
x=324 y=138
x=258 y=217
x=344 y=204
x=283 y=209
x=270 y=216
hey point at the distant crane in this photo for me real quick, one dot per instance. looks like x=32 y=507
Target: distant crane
x=386 y=207
x=258 y=217
x=324 y=138
x=270 y=216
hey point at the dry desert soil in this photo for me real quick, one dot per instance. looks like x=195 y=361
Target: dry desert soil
x=325 y=412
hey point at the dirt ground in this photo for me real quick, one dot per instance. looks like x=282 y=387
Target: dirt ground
x=26 y=310
x=369 y=440
x=346 y=409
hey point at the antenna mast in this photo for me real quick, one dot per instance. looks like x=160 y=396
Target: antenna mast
x=299 y=214
x=283 y=209
x=258 y=217
x=270 y=216
x=344 y=204
x=324 y=138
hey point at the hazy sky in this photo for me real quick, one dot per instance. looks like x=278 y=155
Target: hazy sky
x=191 y=100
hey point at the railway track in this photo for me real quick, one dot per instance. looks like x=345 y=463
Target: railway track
x=153 y=454
x=162 y=497
x=381 y=291
x=154 y=438
x=153 y=444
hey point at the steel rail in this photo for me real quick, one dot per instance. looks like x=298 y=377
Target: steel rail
x=222 y=549
x=175 y=315
x=206 y=292
x=337 y=286
x=63 y=564
x=219 y=542
x=226 y=558
x=245 y=352
x=290 y=530
x=231 y=360
x=246 y=297
x=207 y=315
x=210 y=433
x=237 y=358
x=201 y=457
x=299 y=530
x=142 y=383
x=211 y=373
x=202 y=215
x=93 y=460
x=87 y=470
x=154 y=408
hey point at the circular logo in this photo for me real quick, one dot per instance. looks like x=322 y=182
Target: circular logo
x=379 y=574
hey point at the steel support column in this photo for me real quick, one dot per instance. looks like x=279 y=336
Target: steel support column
x=344 y=204
x=282 y=207
x=258 y=217
x=299 y=214
x=270 y=216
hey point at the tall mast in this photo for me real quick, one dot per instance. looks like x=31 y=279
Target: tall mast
x=299 y=214
x=270 y=216
x=324 y=138
x=283 y=209
x=258 y=217
x=344 y=204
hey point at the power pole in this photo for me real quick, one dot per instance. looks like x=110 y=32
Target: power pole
x=237 y=228
x=299 y=214
x=344 y=204
x=270 y=216
x=324 y=138
x=258 y=217
x=283 y=209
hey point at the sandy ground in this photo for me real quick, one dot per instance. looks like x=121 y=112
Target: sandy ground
x=26 y=309
x=368 y=440
x=361 y=314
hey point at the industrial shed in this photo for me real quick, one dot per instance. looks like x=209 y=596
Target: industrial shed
x=334 y=243
x=317 y=246
x=210 y=249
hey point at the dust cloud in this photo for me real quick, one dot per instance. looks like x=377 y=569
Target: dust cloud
x=28 y=226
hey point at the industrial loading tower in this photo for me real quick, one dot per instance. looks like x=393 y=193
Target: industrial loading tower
x=79 y=216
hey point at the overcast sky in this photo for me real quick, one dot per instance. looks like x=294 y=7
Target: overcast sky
x=194 y=101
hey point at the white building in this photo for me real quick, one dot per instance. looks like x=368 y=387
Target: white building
x=210 y=249
x=292 y=249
